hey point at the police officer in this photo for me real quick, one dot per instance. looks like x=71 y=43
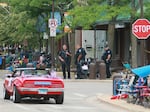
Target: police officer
x=79 y=58
x=107 y=59
x=65 y=58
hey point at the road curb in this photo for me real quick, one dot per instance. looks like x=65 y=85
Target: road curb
x=59 y=74
x=121 y=104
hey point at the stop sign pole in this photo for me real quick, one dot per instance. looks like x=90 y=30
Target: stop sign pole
x=141 y=28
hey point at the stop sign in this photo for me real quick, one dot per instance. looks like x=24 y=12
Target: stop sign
x=141 y=28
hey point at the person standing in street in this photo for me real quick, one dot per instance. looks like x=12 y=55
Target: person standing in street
x=107 y=59
x=65 y=58
x=79 y=58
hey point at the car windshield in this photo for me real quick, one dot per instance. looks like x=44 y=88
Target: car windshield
x=35 y=72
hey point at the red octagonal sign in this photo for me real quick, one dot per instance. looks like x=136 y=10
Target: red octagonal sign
x=141 y=28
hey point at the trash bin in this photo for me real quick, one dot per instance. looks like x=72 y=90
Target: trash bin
x=102 y=70
x=92 y=71
x=97 y=67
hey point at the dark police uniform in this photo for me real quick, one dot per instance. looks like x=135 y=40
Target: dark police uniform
x=66 y=63
x=79 y=52
x=107 y=62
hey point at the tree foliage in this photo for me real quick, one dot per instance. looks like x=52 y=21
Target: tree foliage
x=87 y=12
x=20 y=23
x=16 y=27
x=18 y=20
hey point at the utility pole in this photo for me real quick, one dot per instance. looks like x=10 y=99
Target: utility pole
x=53 y=9
x=52 y=38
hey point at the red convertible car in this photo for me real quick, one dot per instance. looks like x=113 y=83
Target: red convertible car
x=33 y=83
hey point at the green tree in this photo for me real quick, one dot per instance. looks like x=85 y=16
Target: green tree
x=20 y=23
x=95 y=11
x=87 y=13
x=16 y=26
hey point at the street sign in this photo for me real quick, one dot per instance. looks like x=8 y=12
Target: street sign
x=52 y=23
x=141 y=28
x=53 y=32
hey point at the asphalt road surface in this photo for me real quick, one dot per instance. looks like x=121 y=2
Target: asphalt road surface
x=80 y=96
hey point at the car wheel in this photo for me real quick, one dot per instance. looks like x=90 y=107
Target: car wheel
x=60 y=99
x=16 y=96
x=6 y=94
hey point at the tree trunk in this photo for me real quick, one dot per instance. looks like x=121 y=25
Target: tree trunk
x=133 y=51
x=111 y=33
x=134 y=62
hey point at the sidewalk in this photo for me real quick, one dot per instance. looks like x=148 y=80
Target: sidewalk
x=3 y=72
x=60 y=74
x=122 y=104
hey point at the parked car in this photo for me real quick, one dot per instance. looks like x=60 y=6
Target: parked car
x=33 y=83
